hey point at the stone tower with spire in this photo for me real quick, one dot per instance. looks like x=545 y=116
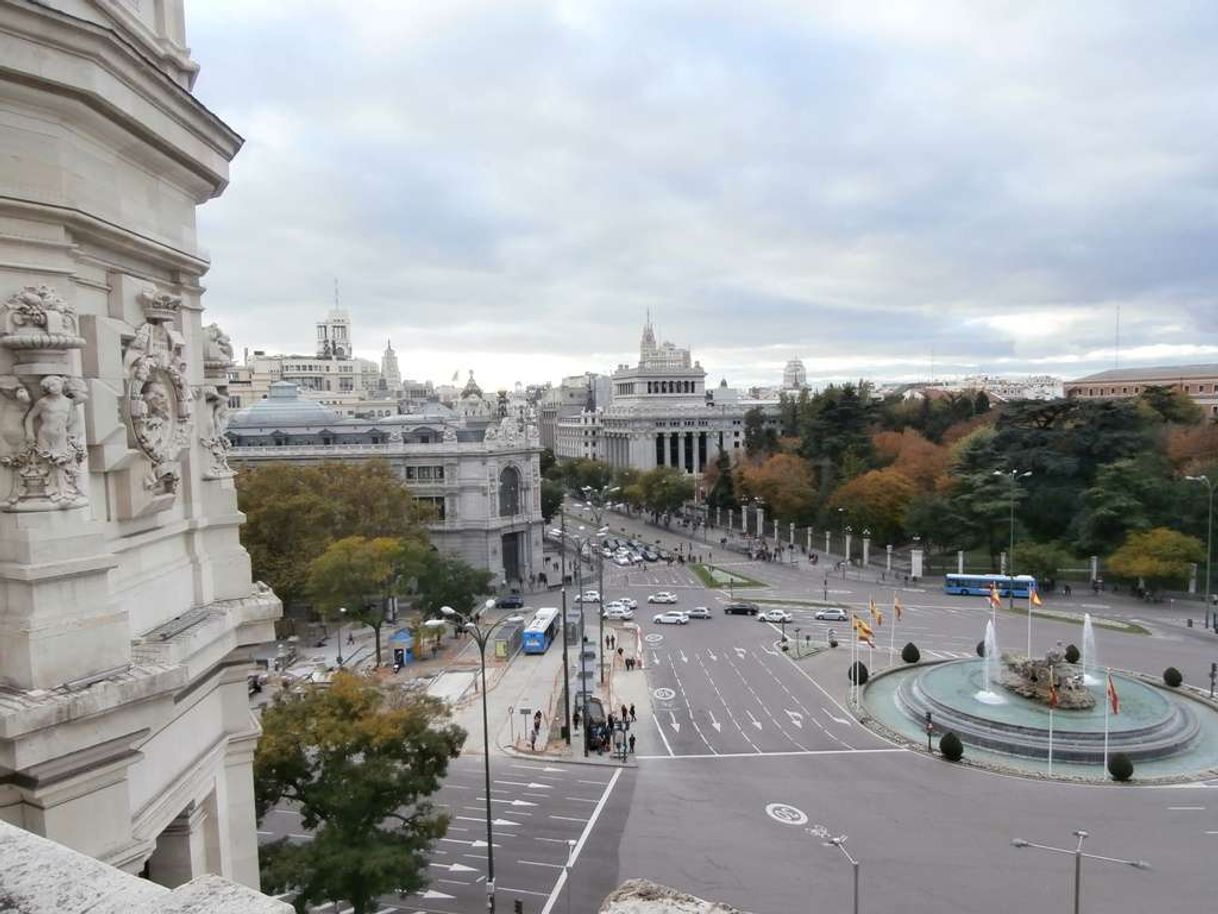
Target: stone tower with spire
x=391 y=374
x=647 y=346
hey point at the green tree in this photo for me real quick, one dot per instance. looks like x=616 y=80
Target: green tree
x=759 y=437
x=1041 y=560
x=547 y=461
x=722 y=493
x=551 y=498
x=665 y=489
x=447 y=580
x=1158 y=557
x=360 y=768
x=583 y=471
x=1172 y=405
x=979 y=500
x=292 y=513
x=359 y=575
x=930 y=517
x=1123 y=497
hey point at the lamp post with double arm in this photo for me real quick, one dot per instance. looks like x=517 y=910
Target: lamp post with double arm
x=482 y=636
x=1014 y=476
x=1078 y=860
x=1211 y=621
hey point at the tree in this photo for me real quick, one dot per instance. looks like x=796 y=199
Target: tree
x=1122 y=498
x=665 y=489
x=979 y=500
x=1041 y=560
x=877 y=500
x=360 y=575
x=1173 y=405
x=446 y=580
x=551 y=498
x=923 y=462
x=722 y=493
x=931 y=517
x=759 y=438
x=1158 y=557
x=292 y=513
x=584 y=472
x=783 y=482
x=547 y=461
x=361 y=770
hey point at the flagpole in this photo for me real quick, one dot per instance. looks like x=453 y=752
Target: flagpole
x=1052 y=701
x=892 y=632
x=1107 y=706
x=1029 y=654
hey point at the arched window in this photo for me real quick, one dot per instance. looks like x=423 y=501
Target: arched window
x=509 y=492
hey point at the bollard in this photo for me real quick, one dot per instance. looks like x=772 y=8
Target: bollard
x=1190 y=623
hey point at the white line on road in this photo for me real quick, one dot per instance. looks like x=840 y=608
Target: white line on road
x=553 y=866
x=1186 y=808
x=778 y=753
x=569 y=818
x=583 y=839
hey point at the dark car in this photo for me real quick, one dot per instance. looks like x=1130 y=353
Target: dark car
x=511 y=601
x=741 y=608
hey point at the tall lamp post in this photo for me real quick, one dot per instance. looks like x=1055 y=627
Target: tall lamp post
x=840 y=844
x=1209 y=550
x=1078 y=859
x=580 y=543
x=341 y=621
x=1014 y=475
x=482 y=636
x=596 y=499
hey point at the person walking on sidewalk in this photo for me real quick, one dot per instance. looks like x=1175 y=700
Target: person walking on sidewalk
x=632 y=714
x=632 y=744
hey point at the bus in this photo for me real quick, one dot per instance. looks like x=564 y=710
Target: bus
x=541 y=630
x=978 y=585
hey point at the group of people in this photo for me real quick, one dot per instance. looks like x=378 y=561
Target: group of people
x=630 y=663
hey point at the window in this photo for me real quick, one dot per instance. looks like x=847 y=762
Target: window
x=509 y=492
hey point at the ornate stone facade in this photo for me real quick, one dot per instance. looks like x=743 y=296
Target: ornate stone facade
x=129 y=614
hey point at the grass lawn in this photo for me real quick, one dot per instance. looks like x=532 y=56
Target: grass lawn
x=714 y=576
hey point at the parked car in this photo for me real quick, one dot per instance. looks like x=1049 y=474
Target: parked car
x=621 y=559
x=664 y=596
x=650 y=555
x=619 y=613
x=588 y=596
x=740 y=608
x=511 y=601
x=832 y=614
x=629 y=601
x=698 y=612
x=774 y=615
x=672 y=617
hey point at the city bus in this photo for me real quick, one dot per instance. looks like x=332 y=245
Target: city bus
x=978 y=585
x=541 y=630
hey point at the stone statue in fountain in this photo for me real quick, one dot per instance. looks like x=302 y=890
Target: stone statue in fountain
x=1030 y=678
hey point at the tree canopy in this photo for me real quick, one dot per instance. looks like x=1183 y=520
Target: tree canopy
x=1159 y=557
x=360 y=768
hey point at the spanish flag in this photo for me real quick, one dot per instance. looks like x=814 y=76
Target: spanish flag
x=992 y=596
x=875 y=613
x=1034 y=596
x=1113 y=698
x=864 y=631
x=897 y=608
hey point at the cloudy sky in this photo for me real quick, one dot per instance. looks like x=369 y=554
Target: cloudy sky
x=874 y=188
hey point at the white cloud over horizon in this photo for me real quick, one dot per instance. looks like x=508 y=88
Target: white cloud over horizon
x=510 y=186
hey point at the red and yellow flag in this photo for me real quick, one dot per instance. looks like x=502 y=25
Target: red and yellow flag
x=897 y=608
x=1034 y=596
x=992 y=596
x=875 y=613
x=864 y=631
x=1113 y=698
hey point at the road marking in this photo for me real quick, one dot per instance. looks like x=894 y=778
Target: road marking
x=753 y=720
x=1185 y=808
x=301 y=837
x=660 y=730
x=505 y=890
x=583 y=839
x=569 y=818
x=714 y=723
x=676 y=727
x=777 y=753
x=582 y=781
x=711 y=654
x=786 y=814
x=433 y=895
x=684 y=659
x=580 y=799
x=796 y=717
x=454 y=867
x=533 y=785
x=546 y=768
x=553 y=866
x=664 y=694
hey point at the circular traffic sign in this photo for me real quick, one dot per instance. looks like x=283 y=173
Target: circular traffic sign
x=786 y=814
x=664 y=694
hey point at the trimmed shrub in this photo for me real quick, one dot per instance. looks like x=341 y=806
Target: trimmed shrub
x=832 y=642
x=1172 y=677
x=910 y=653
x=981 y=648
x=951 y=748
x=1072 y=654
x=857 y=672
x=1120 y=767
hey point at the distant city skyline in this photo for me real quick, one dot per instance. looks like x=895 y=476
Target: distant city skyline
x=509 y=187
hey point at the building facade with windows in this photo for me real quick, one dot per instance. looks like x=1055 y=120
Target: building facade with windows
x=483 y=480
x=1199 y=382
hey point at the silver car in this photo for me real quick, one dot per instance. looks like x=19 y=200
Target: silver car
x=698 y=612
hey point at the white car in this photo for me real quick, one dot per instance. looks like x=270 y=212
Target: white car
x=698 y=612
x=672 y=617
x=588 y=596
x=629 y=601
x=774 y=615
x=618 y=613
x=664 y=596
x=833 y=614
x=621 y=560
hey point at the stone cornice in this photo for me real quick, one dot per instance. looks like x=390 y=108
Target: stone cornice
x=100 y=68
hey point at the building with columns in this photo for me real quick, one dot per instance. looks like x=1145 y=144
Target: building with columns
x=128 y=616
x=660 y=414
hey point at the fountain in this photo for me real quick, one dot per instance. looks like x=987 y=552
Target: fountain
x=988 y=695
x=1090 y=661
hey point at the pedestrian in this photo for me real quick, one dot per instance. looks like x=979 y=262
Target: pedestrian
x=624 y=712
x=350 y=637
x=609 y=722
x=621 y=651
x=575 y=718
x=632 y=744
x=608 y=640
x=533 y=741
x=632 y=714
x=629 y=664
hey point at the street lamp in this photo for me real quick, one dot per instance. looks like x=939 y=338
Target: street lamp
x=840 y=844
x=580 y=543
x=1078 y=859
x=1209 y=549
x=342 y=615
x=1014 y=475
x=482 y=635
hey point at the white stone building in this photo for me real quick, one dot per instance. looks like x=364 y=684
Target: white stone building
x=484 y=480
x=128 y=613
x=794 y=376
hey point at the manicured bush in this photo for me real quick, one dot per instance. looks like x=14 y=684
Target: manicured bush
x=910 y=653
x=1120 y=767
x=951 y=748
x=1072 y=654
x=1172 y=677
x=980 y=648
x=857 y=672
x=832 y=642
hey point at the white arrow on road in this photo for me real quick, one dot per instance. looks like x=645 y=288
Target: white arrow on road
x=548 y=769
x=655 y=658
x=711 y=654
x=796 y=717
x=506 y=822
x=530 y=786
x=454 y=867
x=684 y=659
x=741 y=652
x=756 y=723
x=676 y=727
x=520 y=803
x=433 y=895
x=714 y=723
x=836 y=720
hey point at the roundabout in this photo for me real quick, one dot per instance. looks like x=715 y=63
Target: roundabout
x=1169 y=735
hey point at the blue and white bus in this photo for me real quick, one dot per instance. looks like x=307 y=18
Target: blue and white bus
x=541 y=630
x=978 y=585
